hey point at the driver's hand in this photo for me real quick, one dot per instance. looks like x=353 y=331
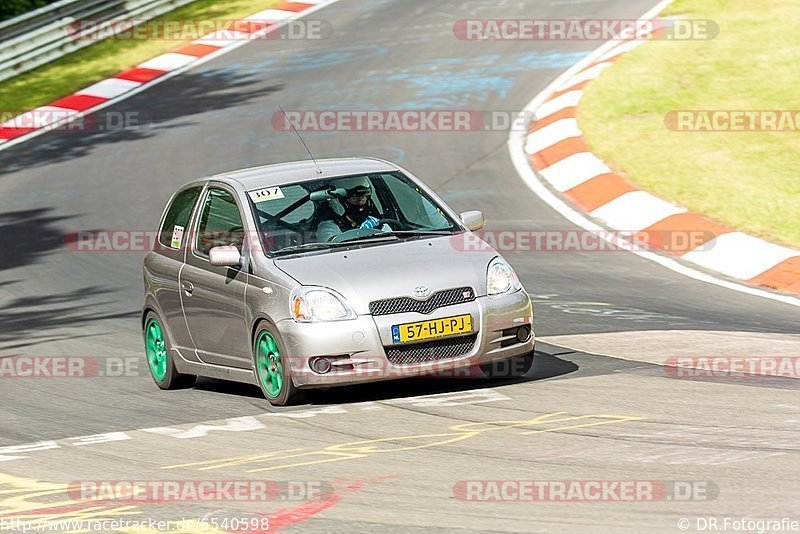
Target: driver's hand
x=370 y=223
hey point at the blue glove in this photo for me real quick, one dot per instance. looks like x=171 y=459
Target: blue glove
x=370 y=223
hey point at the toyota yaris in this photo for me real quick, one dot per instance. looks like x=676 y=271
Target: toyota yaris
x=318 y=274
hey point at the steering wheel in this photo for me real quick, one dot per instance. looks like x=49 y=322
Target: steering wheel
x=275 y=223
x=390 y=222
x=355 y=234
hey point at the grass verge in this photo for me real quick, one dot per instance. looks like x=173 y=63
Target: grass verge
x=106 y=58
x=748 y=180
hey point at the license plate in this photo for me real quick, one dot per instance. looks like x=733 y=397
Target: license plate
x=449 y=326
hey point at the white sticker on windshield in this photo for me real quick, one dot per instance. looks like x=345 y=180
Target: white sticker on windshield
x=263 y=195
x=177 y=236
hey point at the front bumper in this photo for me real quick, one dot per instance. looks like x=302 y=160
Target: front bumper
x=357 y=348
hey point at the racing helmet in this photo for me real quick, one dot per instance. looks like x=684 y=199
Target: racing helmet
x=356 y=213
x=355 y=186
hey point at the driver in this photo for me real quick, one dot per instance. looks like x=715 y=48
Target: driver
x=357 y=206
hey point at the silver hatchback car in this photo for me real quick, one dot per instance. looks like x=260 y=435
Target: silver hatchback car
x=318 y=274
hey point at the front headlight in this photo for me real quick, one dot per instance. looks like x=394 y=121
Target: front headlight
x=501 y=278
x=312 y=304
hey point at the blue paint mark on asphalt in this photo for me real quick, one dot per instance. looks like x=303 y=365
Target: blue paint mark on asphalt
x=296 y=61
x=435 y=83
x=435 y=91
x=284 y=146
x=395 y=153
x=441 y=83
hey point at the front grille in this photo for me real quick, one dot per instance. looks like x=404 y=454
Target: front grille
x=440 y=299
x=430 y=351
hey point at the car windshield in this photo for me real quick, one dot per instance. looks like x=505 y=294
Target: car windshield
x=330 y=213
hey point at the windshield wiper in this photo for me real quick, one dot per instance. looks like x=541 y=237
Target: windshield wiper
x=399 y=233
x=420 y=231
x=307 y=247
x=311 y=247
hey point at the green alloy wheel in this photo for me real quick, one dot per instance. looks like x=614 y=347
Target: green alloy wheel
x=269 y=365
x=157 y=348
x=273 y=372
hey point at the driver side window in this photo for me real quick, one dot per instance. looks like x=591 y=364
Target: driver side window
x=415 y=207
x=220 y=222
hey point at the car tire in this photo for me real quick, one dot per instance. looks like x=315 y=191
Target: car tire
x=158 y=351
x=272 y=368
x=517 y=367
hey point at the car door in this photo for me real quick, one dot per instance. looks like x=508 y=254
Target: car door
x=214 y=297
x=163 y=266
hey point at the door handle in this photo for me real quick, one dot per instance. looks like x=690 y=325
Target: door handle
x=188 y=287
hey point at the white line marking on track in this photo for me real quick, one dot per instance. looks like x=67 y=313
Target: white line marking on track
x=589 y=74
x=516 y=143
x=567 y=100
x=253 y=422
x=222 y=38
x=109 y=88
x=574 y=170
x=316 y=6
x=270 y=15
x=40 y=117
x=312 y=412
x=724 y=252
x=621 y=49
x=635 y=211
x=168 y=62
x=552 y=134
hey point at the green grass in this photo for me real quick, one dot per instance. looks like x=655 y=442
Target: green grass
x=107 y=58
x=748 y=180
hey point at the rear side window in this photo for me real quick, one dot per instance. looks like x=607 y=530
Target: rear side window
x=177 y=219
x=220 y=222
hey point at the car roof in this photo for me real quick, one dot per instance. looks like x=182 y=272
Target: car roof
x=302 y=171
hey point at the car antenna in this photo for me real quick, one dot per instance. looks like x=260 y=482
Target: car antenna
x=319 y=171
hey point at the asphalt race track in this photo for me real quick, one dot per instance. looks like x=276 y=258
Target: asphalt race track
x=600 y=407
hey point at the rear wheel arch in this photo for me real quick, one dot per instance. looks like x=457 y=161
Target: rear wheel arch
x=152 y=308
x=158 y=353
x=146 y=310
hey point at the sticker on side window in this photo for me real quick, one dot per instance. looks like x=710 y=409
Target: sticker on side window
x=263 y=195
x=177 y=236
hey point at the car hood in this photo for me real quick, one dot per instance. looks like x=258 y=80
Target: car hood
x=394 y=269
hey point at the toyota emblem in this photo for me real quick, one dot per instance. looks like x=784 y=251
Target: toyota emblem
x=421 y=291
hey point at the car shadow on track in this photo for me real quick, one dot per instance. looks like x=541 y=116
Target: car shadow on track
x=32 y=319
x=166 y=106
x=28 y=235
x=547 y=364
